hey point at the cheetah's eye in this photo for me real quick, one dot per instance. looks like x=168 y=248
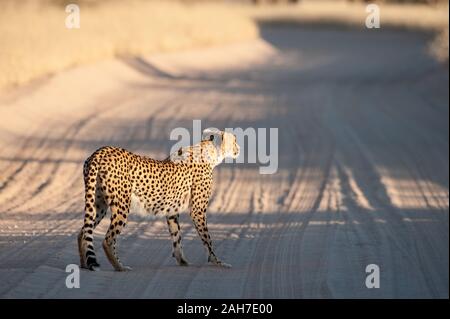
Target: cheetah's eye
x=211 y=137
x=180 y=152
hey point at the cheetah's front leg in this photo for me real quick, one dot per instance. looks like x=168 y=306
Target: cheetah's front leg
x=174 y=229
x=199 y=218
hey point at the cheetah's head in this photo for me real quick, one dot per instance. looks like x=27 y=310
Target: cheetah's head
x=225 y=143
x=213 y=149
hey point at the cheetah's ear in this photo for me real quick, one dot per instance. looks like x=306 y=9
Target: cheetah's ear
x=210 y=133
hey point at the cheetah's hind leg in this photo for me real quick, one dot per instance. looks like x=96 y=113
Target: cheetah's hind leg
x=118 y=222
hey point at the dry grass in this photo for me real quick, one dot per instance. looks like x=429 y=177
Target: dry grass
x=34 y=41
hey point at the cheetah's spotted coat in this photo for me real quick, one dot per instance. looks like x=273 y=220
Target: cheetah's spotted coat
x=113 y=176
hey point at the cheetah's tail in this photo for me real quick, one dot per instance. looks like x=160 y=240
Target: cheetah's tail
x=90 y=181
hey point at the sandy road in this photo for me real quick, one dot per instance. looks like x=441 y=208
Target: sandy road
x=362 y=178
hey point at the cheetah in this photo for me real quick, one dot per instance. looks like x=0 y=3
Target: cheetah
x=114 y=177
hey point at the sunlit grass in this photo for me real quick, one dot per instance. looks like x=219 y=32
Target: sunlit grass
x=34 y=40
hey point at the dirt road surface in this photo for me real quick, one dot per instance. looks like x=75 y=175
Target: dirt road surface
x=362 y=172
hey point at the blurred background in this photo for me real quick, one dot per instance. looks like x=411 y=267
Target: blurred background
x=33 y=41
